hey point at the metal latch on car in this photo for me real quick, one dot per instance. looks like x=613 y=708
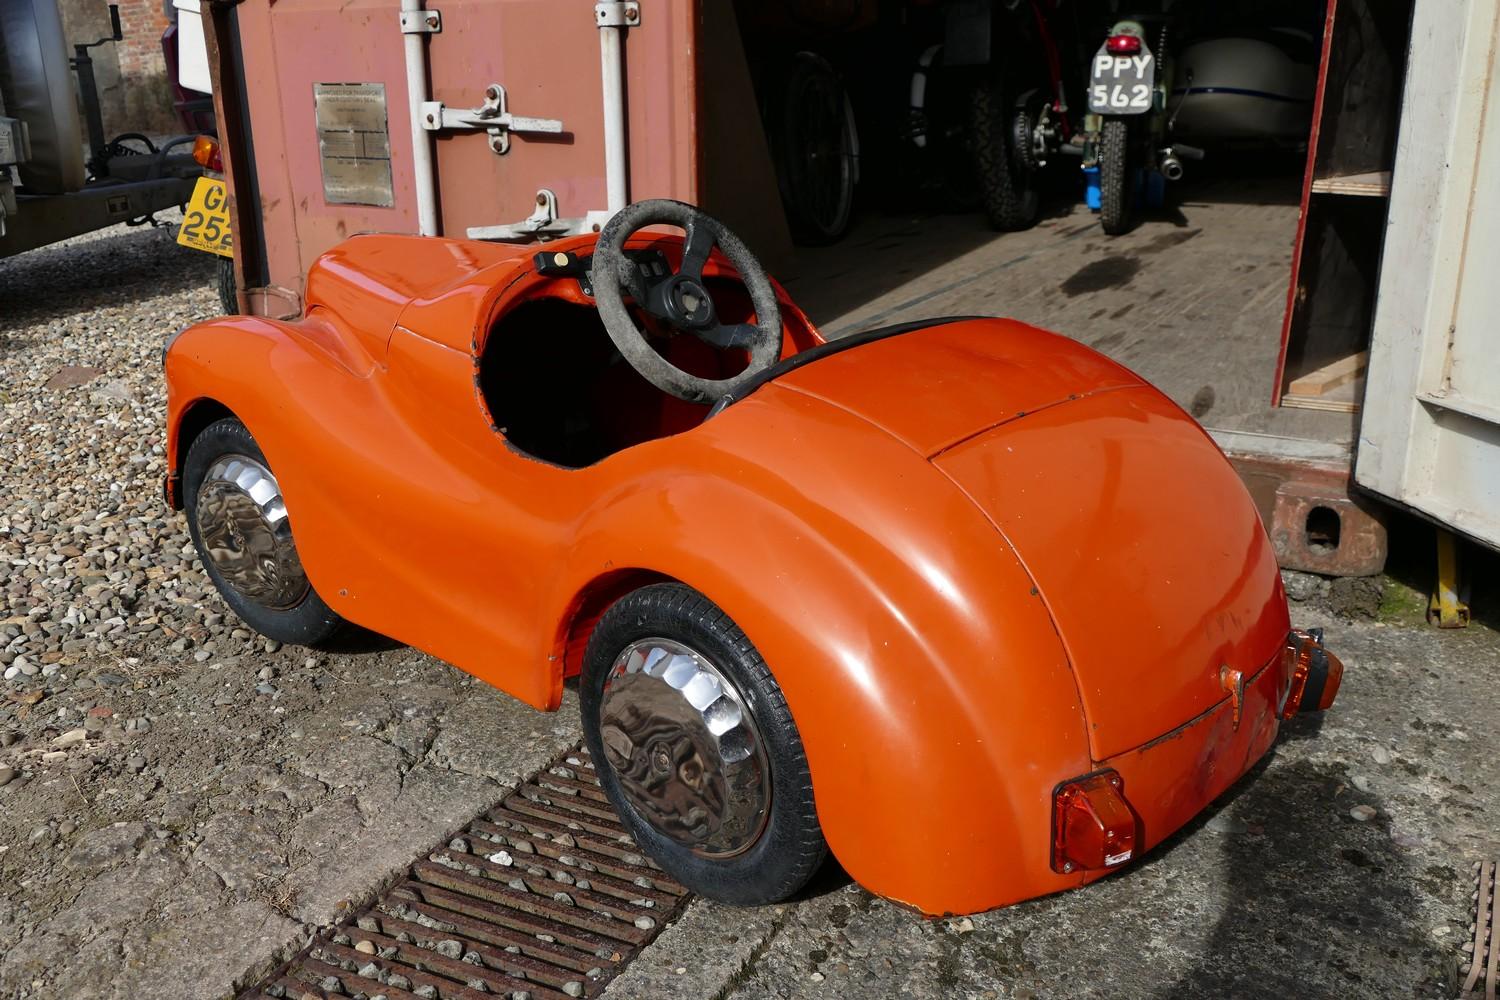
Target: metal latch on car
x=492 y=116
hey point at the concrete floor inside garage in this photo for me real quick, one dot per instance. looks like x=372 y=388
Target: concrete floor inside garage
x=229 y=796
x=1192 y=298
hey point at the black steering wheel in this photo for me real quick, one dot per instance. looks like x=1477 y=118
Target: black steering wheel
x=681 y=300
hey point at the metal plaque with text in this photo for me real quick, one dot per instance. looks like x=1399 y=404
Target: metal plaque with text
x=354 y=143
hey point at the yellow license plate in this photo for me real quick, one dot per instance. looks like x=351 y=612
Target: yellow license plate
x=205 y=226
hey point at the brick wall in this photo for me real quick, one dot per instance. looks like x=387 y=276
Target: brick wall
x=131 y=75
x=148 y=94
x=140 y=53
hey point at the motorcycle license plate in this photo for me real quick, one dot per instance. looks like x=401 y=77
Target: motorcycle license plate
x=1122 y=84
x=205 y=225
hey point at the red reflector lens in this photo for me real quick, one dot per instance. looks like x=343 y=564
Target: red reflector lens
x=206 y=154
x=1092 y=826
x=1124 y=45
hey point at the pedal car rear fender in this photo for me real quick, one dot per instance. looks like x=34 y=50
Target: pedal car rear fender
x=928 y=684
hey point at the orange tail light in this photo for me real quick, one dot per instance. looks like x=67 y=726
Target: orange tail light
x=1093 y=827
x=206 y=154
x=1316 y=673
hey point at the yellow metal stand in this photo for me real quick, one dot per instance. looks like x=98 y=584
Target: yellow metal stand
x=1446 y=608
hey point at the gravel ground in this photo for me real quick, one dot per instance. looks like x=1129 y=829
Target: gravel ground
x=182 y=803
x=96 y=564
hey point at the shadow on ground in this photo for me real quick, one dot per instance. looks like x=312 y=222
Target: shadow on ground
x=58 y=281
x=1305 y=897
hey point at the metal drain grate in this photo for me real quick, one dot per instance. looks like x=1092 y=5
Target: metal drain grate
x=1481 y=970
x=544 y=897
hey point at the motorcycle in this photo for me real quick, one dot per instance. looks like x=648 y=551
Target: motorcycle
x=1007 y=60
x=1128 y=153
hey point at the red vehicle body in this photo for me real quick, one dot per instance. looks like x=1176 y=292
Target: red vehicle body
x=980 y=559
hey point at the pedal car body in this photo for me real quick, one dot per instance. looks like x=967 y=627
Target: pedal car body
x=1024 y=615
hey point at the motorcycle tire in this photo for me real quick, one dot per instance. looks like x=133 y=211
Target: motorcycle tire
x=1116 y=177
x=1008 y=192
x=816 y=152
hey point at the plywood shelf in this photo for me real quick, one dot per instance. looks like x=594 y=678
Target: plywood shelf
x=1344 y=399
x=1331 y=376
x=1371 y=184
x=1338 y=386
x=1345 y=201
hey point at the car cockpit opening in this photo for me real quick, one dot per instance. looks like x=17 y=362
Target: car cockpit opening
x=560 y=391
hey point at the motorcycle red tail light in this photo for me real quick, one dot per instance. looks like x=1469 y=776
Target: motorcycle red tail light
x=1123 y=45
x=1093 y=828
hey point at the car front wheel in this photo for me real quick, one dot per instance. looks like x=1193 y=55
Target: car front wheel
x=695 y=747
x=239 y=524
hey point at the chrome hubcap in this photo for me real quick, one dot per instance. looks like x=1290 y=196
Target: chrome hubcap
x=685 y=748
x=245 y=532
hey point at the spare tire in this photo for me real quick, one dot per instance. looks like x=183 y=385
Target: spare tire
x=36 y=85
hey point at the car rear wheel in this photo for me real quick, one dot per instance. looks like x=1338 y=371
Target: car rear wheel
x=240 y=528
x=695 y=747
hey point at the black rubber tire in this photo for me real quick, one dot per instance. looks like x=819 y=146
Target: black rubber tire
x=311 y=622
x=1010 y=197
x=1116 y=177
x=791 y=848
x=814 y=143
x=224 y=279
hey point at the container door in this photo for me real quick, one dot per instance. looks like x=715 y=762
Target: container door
x=1430 y=437
x=326 y=88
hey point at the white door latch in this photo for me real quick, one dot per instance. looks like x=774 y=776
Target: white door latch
x=491 y=116
x=617 y=13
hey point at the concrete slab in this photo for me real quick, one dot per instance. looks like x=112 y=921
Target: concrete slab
x=254 y=821
x=1277 y=890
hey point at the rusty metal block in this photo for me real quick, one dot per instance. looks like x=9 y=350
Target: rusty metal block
x=1318 y=527
x=1302 y=489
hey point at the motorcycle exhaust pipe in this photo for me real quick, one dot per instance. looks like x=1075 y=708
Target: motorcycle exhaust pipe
x=1171 y=167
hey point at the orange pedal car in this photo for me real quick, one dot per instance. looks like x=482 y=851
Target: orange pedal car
x=964 y=602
